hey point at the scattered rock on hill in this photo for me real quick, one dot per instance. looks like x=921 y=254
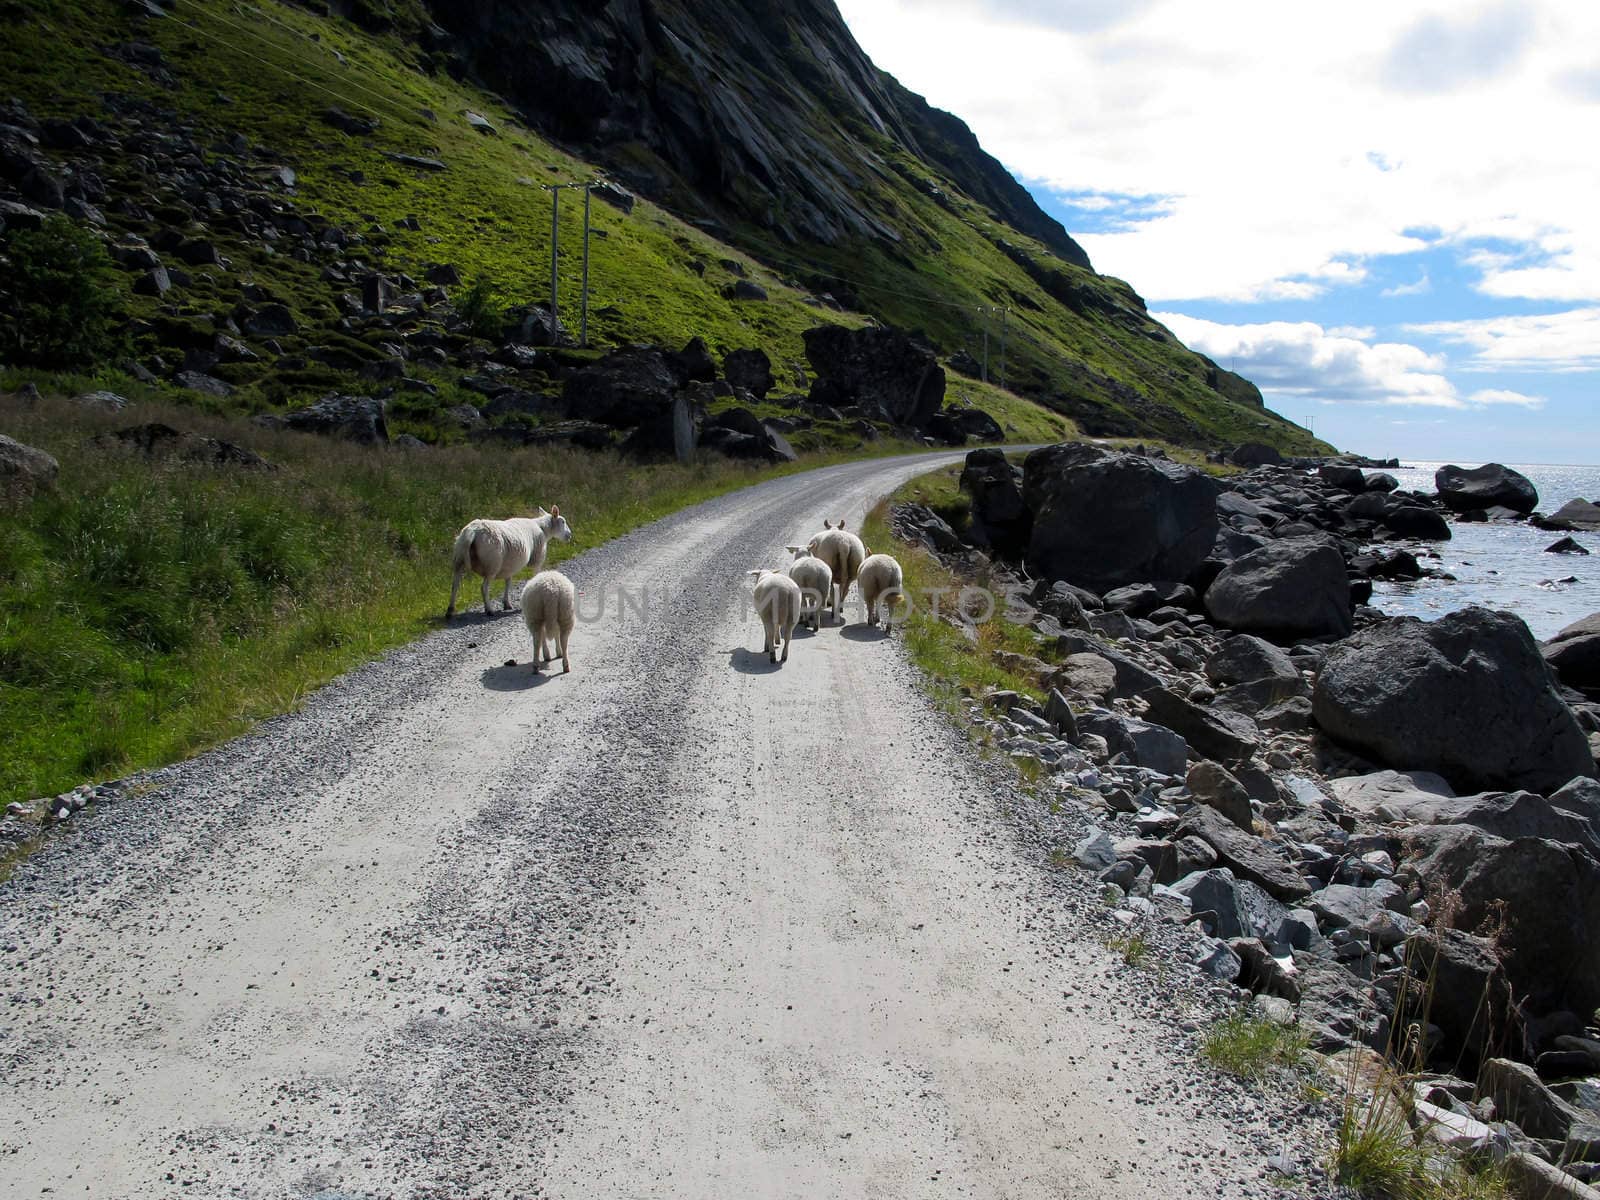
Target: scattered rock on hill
x=162 y=441
x=354 y=418
x=25 y=469
x=882 y=371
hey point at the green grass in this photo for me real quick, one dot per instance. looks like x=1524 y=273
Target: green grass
x=1252 y=1047
x=150 y=610
x=267 y=69
x=1133 y=947
x=952 y=655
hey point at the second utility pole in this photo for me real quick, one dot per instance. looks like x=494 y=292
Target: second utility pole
x=555 y=253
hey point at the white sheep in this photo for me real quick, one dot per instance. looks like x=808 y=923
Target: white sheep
x=502 y=549
x=843 y=552
x=778 y=601
x=881 y=581
x=815 y=578
x=549 y=609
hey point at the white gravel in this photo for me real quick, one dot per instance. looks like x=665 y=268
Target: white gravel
x=676 y=924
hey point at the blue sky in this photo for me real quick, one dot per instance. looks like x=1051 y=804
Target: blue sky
x=1386 y=214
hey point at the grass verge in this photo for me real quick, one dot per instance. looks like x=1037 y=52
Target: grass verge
x=1252 y=1047
x=152 y=608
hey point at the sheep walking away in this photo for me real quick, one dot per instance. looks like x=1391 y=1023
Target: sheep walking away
x=503 y=549
x=550 y=609
x=882 y=582
x=778 y=601
x=816 y=584
x=843 y=552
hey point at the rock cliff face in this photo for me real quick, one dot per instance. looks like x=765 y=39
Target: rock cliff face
x=764 y=111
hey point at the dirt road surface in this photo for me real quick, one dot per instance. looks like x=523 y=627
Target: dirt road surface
x=676 y=924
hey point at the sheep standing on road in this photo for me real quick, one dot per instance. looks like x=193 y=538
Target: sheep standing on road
x=816 y=584
x=843 y=552
x=550 y=609
x=502 y=549
x=882 y=582
x=778 y=601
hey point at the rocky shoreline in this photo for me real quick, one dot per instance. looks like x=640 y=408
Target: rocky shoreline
x=1347 y=811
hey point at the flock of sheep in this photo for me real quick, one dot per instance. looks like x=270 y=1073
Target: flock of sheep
x=821 y=575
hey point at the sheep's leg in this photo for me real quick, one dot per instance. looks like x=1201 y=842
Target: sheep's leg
x=788 y=636
x=455 y=588
x=566 y=663
x=505 y=599
x=485 y=595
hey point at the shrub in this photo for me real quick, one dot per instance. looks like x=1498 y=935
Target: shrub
x=1252 y=1047
x=60 y=299
x=481 y=309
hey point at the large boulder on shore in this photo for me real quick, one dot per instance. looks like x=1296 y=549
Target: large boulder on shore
x=1575 y=654
x=1467 y=696
x=1296 y=587
x=1482 y=487
x=1548 y=895
x=1102 y=519
x=884 y=372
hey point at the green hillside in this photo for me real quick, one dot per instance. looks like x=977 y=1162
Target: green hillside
x=245 y=89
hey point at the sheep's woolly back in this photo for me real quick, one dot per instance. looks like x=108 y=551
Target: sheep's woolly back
x=549 y=604
x=878 y=574
x=777 y=599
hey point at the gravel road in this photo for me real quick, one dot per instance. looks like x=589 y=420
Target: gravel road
x=676 y=924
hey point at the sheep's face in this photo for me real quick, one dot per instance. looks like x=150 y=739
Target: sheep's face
x=558 y=525
x=801 y=551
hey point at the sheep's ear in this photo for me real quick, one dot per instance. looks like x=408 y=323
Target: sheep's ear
x=792 y=549
x=555 y=510
x=827 y=524
x=841 y=522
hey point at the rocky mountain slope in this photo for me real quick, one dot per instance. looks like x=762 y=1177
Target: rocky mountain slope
x=303 y=196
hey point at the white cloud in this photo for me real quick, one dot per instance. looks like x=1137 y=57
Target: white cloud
x=1302 y=359
x=1362 y=333
x=1421 y=287
x=1487 y=396
x=1288 y=158
x=1563 y=341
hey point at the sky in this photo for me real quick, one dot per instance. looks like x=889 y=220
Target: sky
x=1385 y=214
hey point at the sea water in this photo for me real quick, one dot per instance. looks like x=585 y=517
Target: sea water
x=1503 y=564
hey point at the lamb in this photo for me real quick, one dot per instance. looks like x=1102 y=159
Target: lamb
x=501 y=549
x=883 y=582
x=778 y=602
x=816 y=584
x=843 y=553
x=549 y=608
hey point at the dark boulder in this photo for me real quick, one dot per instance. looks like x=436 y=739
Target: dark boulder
x=1343 y=476
x=1574 y=514
x=24 y=469
x=884 y=372
x=999 y=517
x=1103 y=519
x=1415 y=521
x=1574 y=652
x=764 y=445
x=162 y=441
x=1382 y=481
x=1467 y=696
x=1213 y=732
x=1246 y=659
x=1546 y=897
x=693 y=364
x=270 y=320
x=976 y=424
x=1485 y=486
x=745 y=289
x=1246 y=855
x=354 y=418
x=1255 y=454
x=1467 y=995
x=1566 y=545
x=627 y=387
x=750 y=370
x=1295 y=587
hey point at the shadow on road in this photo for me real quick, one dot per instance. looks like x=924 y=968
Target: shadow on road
x=468 y=620
x=752 y=662
x=518 y=678
x=864 y=633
